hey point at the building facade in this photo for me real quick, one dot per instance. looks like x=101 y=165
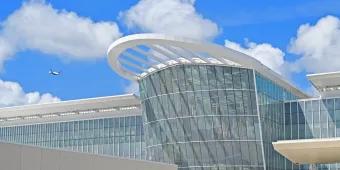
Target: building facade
x=313 y=118
x=205 y=106
x=201 y=107
x=202 y=117
x=122 y=136
x=208 y=116
x=103 y=126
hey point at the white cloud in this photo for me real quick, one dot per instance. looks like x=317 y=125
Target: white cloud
x=11 y=94
x=319 y=45
x=173 y=17
x=6 y=50
x=265 y=53
x=37 y=26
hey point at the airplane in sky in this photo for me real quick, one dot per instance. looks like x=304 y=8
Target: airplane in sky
x=54 y=73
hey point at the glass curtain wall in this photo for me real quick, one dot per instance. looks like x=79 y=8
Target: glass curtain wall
x=202 y=117
x=274 y=120
x=122 y=136
x=316 y=118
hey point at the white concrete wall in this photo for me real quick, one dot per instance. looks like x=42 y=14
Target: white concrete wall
x=21 y=157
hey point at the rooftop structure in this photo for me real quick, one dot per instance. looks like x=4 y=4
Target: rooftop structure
x=136 y=56
x=120 y=105
x=328 y=84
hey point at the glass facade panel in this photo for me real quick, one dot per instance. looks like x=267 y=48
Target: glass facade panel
x=317 y=119
x=202 y=117
x=279 y=120
x=108 y=136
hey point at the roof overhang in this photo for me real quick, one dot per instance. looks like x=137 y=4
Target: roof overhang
x=328 y=84
x=310 y=151
x=136 y=56
x=100 y=107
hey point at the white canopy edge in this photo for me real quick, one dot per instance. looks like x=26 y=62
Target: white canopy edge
x=310 y=151
x=219 y=55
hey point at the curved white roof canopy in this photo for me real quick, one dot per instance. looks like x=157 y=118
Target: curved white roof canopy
x=136 y=56
x=310 y=151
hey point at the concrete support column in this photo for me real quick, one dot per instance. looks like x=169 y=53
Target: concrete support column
x=312 y=167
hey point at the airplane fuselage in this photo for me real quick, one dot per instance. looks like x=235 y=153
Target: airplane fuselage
x=54 y=73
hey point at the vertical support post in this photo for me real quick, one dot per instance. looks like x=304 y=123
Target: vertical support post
x=312 y=167
x=259 y=119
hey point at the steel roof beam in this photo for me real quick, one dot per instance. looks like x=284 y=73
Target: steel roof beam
x=165 y=52
x=124 y=61
x=175 y=51
x=149 y=54
x=137 y=59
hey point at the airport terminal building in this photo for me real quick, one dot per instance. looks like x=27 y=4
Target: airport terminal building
x=201 y=106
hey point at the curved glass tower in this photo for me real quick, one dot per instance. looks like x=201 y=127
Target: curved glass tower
x=202 y=117
x=205 y=106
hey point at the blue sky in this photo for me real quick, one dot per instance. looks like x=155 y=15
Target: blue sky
x=259 y=28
